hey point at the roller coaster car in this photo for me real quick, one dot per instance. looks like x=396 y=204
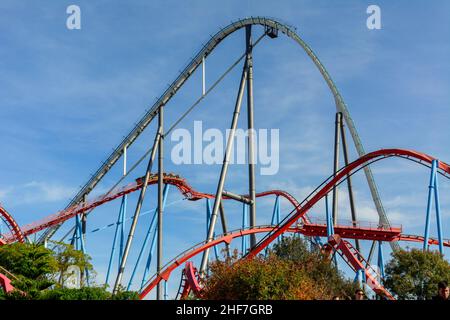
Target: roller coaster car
x=272 y=32
x=172 y=175
x=140 y=180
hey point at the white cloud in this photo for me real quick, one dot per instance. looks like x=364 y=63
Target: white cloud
x=39 y=192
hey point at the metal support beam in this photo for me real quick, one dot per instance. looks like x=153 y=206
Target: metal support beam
x=223 y=173
x=276 y=218
x=80 y=245
x=137 y=212
x=251 y=132
x=371 y=253
x=119 y=224
x=360 y=278
x=203 y=76
x=336 y=164
x=208 y=220
x=433 y=190
x=429 y=203
x=381 y=259
x=330 y=227
x=437 y=205
x=159 y=255
x=244 y=239
x=349 y=181
x=123 y=208
x=150 y=256
x=236 y=197
x=151 y=229
x=223 y=220
x=122 y=235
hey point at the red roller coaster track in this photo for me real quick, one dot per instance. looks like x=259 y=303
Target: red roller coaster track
x=340 y=176
x=71 y=212
x=12 y=225
x=299 y=212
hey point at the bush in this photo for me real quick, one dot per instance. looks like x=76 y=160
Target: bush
x=289 y=272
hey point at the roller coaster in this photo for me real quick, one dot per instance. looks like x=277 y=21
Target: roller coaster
x=337 y=235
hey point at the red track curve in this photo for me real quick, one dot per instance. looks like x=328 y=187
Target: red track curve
x=199 y=248
x=194 y=195
x=298 y=212
x=341 y=175
x=180 y=183
x=12 y=225
x=202 y=246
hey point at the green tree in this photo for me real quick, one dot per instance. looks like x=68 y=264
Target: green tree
x=290 y=271
x=40 y=273
x=414 y=274
x=316 y=264
x=66 y=256
x=31 y=264
x=87 y=293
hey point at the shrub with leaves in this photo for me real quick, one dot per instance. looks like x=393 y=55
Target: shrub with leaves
x=415 y=274
x=289 y=272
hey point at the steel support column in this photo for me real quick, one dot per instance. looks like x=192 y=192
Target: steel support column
x=137 y=212
x=381 y=259
x=223 y=220
x=244 y=226
x=159 y=255
x=437 y=205
x=120 y=222
x=151 y=229
x=430 y=199
x=251 y=132
x=223 y=173
x=336 y=164
x=330 y=228
x=433 y=190
x=208 y=220
x=349 y=181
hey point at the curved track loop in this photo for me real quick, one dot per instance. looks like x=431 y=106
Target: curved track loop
x=12 y=226
x=180 y=183
x=310 y=201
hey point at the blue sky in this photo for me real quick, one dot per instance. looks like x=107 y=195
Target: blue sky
x=69 y=96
